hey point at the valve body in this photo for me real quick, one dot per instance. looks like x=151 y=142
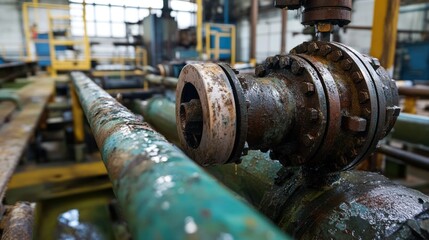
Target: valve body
x=324 y=106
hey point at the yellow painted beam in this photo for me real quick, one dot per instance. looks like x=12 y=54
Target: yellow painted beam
x=208 y=47
x=410 y=105
x=51 y=174
x=78 y=125
x=26 y=30
x=384 y=31
x=199 y=26
x=233 y=47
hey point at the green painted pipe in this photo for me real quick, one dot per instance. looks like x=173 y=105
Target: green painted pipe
x=163 y=194
x=10 y=95
x=412 y=128
x=351 y=204
x=346 y=205
x=160 y=114
x=251 y=179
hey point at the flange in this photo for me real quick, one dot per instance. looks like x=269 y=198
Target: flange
x=205 y=113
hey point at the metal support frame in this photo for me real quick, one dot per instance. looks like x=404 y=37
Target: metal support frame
x=154 y=181
x=410 y=158
x=56 y=64
x=230 y=31
x=199 y=26
x=254 y=8
x=384 y=31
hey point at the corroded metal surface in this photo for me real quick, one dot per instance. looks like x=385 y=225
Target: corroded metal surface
x=162 y=193
x=208 y=85
x=17 y=222
x=356 y=205
x=315 y=11
x=250 y=179
x=17 y=132
x=323 y=106
x=350 y=203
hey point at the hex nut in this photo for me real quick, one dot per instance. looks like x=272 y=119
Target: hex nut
x=312 y=47
x=375 y=63
x=335 y=56
x=357 y=77
x=260 y=71
x=297 y=68
x=346 y=64
x=307 y=140
x=363 y=96
x=354 y=124
x=284 y=61
x=325 y=50
x=302 y=48
x=313 y=114
x=308 y=88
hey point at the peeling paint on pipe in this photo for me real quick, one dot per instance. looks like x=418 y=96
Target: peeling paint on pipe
x=163 y=194
x=251 y=179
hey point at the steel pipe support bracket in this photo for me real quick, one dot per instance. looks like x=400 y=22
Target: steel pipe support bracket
x=324 y=106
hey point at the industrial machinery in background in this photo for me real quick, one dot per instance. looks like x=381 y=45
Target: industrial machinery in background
x=413 y=61
x=412 y=54
x=51 y=41
x=319 y=110
x=285 y=139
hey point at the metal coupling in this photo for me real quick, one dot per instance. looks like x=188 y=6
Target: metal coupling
x=324 y=106
x=335 y=12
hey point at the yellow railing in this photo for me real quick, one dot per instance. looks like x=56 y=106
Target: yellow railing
x=227 y=30
x=57 y=64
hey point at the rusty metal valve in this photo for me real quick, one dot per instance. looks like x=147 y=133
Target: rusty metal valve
x=323 y=106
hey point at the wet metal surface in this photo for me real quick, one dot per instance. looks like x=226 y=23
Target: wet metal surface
x=250 y=179
x=162 y=193
x=17 y=222
x=323 y=106
x=349 y=206
x=357 y=205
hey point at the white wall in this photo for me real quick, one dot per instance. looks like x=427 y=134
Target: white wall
x=12 y=40
x=268 y=35
x=362 y=15
x=11 y=37
x=268 y=30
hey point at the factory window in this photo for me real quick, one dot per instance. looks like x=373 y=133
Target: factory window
x=184 y=17
x=106 y=18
